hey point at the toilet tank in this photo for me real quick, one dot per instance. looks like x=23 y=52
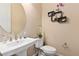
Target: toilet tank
x=39 y=43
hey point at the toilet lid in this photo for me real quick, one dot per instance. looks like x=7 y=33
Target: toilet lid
x=48 y=49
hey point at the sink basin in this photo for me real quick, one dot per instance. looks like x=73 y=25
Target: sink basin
x=11 y=44
x=19 y=42
x=16 y=46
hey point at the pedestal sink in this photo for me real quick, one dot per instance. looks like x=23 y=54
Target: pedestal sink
x=18 y=47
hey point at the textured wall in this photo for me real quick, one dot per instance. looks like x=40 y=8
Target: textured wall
x=57 y=34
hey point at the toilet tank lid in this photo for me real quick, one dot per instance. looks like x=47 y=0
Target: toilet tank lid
x=48 y=48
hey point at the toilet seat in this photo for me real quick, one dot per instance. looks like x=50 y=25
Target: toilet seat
x=48 y=49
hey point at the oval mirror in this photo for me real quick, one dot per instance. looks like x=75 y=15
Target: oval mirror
x=18 y=18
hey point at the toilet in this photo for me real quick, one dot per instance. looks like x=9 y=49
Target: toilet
x=46 y=50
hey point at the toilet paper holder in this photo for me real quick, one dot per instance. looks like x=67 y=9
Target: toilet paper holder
x=65 y=45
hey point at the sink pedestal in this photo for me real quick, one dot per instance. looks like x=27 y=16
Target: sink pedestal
x=22 y=53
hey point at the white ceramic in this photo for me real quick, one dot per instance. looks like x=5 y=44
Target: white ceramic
x=18 y=47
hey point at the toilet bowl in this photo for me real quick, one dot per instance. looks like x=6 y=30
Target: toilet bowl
x=48 y=50
x=45 y=49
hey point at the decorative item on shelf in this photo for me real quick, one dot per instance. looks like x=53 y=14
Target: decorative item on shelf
x=62 y=19
x=24 y=34
x=39 y=35
x=58 y=15
x=52 y=14
x=61 y=4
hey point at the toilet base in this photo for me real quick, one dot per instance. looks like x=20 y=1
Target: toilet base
x=56 y=54
x=46 y=54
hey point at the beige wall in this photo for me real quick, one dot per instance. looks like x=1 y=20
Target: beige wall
x=56 y=34
x=33 y=23
x=18 y=18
